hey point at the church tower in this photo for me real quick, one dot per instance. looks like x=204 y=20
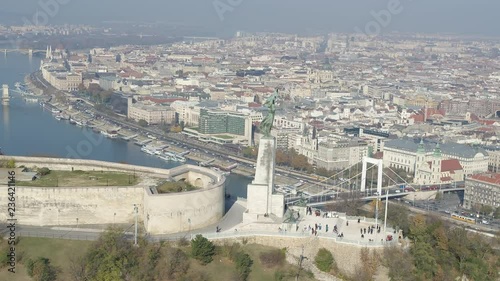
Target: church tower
x=436 y=164
x=420 y=157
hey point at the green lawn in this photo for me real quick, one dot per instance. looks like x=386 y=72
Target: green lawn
x=174 y=187
x=82 y=178
x=60 y=252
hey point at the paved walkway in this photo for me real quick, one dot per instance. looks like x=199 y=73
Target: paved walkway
x=350 y=230
x=232 y=225
x=347 y=230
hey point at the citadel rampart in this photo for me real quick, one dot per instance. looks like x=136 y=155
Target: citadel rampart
x=347 y=255
x=161 y=213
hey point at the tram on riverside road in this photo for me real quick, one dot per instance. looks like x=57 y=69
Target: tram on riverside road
x=463 y=218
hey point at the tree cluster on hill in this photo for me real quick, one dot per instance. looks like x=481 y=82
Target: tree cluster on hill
x=243 y=262
x=440 y=251
x=324 y=260
x=370 y=261
x=113 y=257
x=202 y=249
x=40 y=269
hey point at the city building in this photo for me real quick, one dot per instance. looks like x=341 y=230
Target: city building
x=221 y=122
x=222 y=127
x=375 y=138
x=435 y=170
x=341 y=154
x=152 y=114
x=308 y=146
x=60 y=78
x=402 y=154
x=108 y=82
x=479 y=107
x=188 y=112
x=482 y=190
x=283 y=122
x=494 y=161
x=284 y=137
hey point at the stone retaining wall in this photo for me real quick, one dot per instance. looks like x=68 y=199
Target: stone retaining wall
x=161 y=213
x=65 y=164
x=347 y=256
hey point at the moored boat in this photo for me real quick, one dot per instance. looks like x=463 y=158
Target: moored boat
x=147 y=150
x=110 y=134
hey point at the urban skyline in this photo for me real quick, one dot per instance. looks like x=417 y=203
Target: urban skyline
x=276 y=140
x=222 y=17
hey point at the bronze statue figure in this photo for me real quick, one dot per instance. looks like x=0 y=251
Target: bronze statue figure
x=267 y=124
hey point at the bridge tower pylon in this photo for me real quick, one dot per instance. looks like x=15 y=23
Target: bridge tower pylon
x=380 y=172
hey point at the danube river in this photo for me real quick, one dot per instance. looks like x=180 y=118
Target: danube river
x=28 y=130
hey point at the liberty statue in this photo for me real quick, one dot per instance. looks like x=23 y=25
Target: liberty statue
x=267 y=124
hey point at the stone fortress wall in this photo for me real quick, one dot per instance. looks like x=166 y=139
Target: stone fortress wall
x=161 y=213
x=347 y=256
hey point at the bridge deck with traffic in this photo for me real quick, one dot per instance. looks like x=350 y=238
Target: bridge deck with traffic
x=326 y=198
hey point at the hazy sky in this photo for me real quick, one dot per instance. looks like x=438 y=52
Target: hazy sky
x=457 y=16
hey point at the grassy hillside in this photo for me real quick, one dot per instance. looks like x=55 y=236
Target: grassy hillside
x=63 y=254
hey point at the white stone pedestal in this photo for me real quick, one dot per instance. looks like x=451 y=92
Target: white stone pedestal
x=261 y=202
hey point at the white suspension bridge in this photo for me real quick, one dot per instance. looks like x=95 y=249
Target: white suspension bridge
x=317 y=195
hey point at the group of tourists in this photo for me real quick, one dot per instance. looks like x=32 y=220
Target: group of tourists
x=370 y=230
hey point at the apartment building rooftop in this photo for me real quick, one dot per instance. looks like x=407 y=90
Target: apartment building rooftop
x=490 y=178
x=455 y=149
